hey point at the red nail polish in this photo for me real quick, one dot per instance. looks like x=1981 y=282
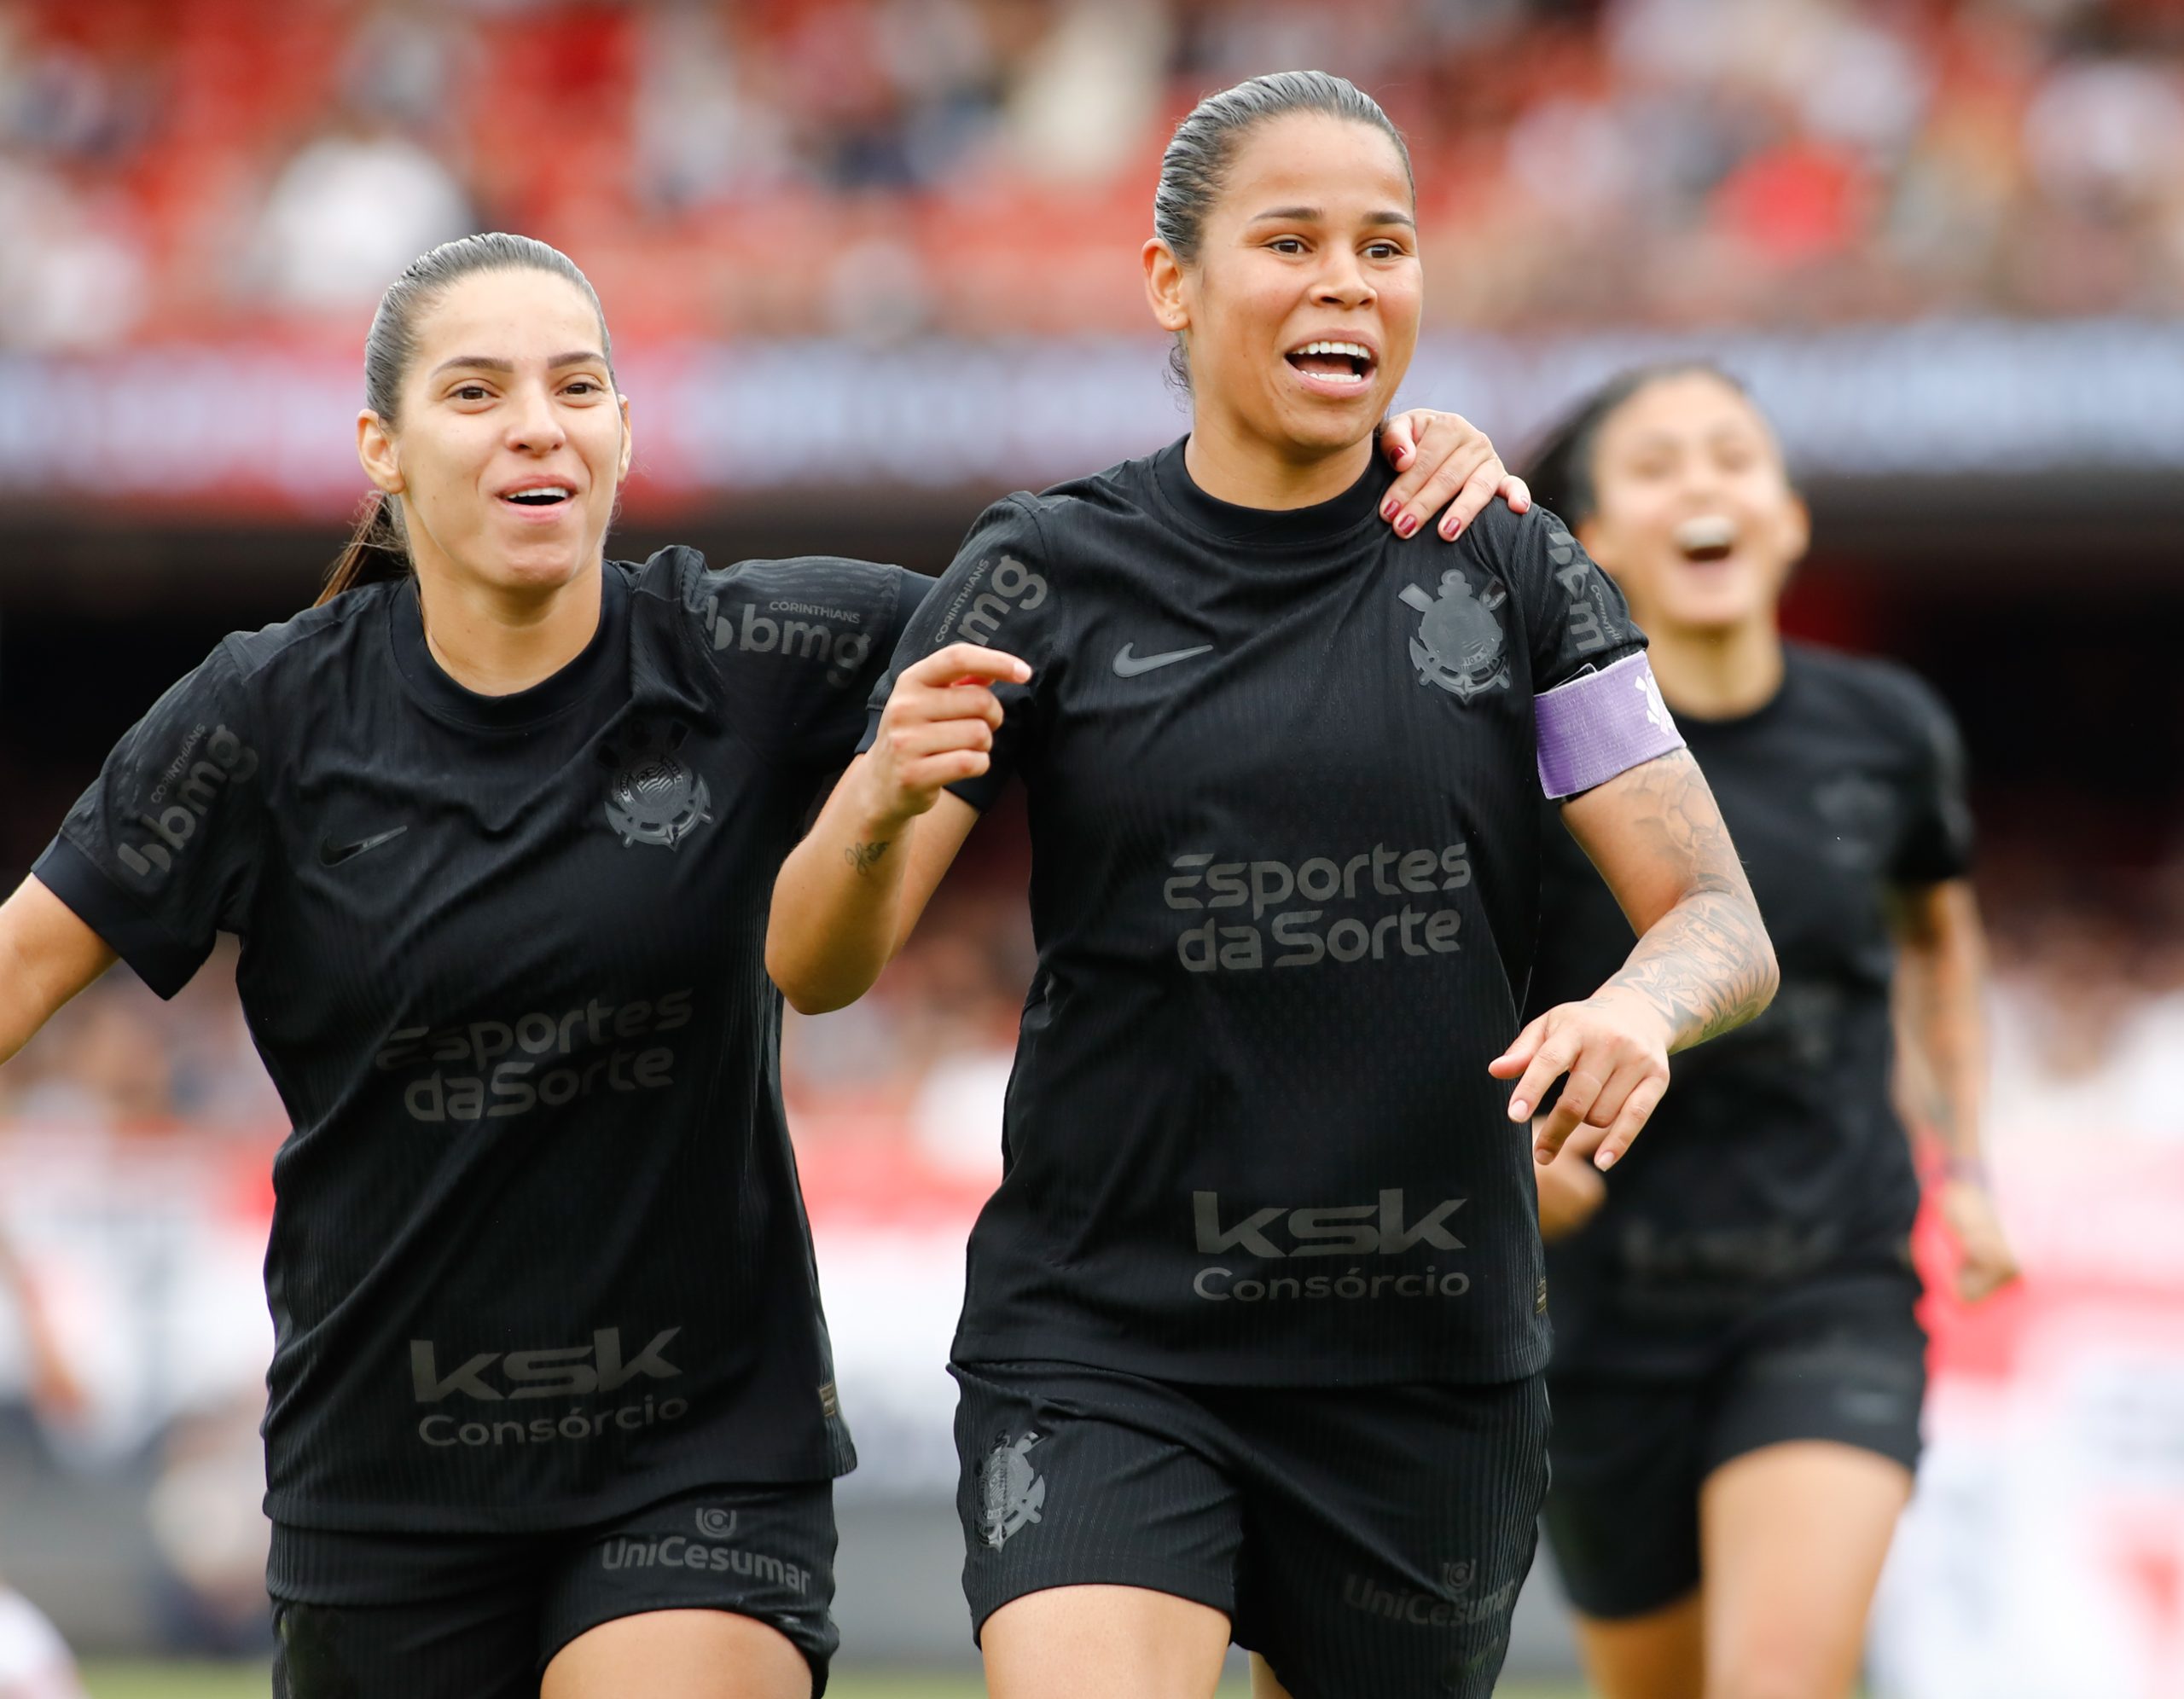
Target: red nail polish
x=1388 y=508
x=1406 y=524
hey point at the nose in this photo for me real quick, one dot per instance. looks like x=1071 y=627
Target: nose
x=1342 y=282
x=534 y=428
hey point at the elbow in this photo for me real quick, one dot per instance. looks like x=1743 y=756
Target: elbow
x=799 y=989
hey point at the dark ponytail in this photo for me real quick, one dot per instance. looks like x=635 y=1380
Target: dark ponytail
x=378 y=551
x=1561 y=475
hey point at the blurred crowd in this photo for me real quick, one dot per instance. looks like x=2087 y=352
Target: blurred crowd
x=178 y=169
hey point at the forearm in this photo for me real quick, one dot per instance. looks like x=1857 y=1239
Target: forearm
x=1704 y=967
x=837 y=903
x=47 y=955
x=1941 y=1021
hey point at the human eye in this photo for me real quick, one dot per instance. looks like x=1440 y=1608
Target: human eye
x=470 y=391
x=1383 y=250
x=1289 y=244
x=584 y=386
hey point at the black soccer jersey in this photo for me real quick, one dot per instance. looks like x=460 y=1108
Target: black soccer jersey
x=1285 y=828
x=1776 y=1155
x=538 y=1254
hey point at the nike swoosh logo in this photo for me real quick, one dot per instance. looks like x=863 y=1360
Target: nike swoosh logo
x=1128 y=666
x=333 y=855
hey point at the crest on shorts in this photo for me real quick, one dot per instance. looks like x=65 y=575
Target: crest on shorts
x=654 y=796
x=1458 y=642
x=714 y=1524
x=1011 y=1493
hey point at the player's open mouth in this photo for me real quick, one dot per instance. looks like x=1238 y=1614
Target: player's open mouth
x=1707 y=539
x=540 y=497
x=1334 y=367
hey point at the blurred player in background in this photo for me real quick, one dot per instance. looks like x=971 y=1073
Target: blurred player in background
x=496 y=821
x=35 y=1662
x=1737 y=1372
x=1283 y=777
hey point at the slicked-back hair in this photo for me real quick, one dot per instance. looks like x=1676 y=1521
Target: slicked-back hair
x=1195 y=169
x=378 y=551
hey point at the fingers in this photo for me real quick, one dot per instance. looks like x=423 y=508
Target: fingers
x=960 y=661
x=1517 y=493
x=1511 y=1062
x=1451 y=448
x=1631 y=1121
x=1578 y=1091
x=1555 y=1053
x=1479 y=489
x=1399 y=440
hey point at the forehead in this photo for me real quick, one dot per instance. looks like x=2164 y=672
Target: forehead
x=1308 y=159
x=507 y=315
x=1688 y=404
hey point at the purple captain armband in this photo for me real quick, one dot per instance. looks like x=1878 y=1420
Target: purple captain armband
x=1605 y=723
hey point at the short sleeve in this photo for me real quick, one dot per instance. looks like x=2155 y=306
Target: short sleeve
x=1937 y=841
x=799 y=643
x=163 y=852
x=999 y=595
x=1596 y=708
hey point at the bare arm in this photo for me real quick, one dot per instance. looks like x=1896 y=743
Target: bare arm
x=848 y=895
x=1942 y=1029
x=47 y=955
x=1703 y=963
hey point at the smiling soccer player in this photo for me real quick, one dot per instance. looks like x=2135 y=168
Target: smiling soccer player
x=1254 y=1325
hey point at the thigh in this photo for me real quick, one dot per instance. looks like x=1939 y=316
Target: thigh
x=1084 y=1479
x=1793 y=1536
x=716 y=1593
x=1623 y=1511
x=401 y=1616
x=1094 y=1642
x=1387 y=1533
x=1811 y=1447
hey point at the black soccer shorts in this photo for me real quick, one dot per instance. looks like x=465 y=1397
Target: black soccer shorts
x=1844 y=1362
x=480 y=1616
x=1367 y=1541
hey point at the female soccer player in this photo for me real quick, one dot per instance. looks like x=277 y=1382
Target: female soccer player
x=1255 y=1322
x=1737 y=1371
x=495 y=822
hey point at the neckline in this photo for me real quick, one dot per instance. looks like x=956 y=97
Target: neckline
x=1750 y=717
x=1276 y=528
x=551 y=696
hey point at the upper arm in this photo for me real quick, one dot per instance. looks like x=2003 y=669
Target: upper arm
x=1656 y=836
x=1935 y=919
x=999 y=594
x=48 y=954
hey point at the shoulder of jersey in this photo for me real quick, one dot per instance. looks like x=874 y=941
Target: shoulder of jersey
x=309 y=634
x=1120 y=489
x=1882 y=692
x=673 y=571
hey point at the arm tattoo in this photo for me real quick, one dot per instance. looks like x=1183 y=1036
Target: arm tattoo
x=1706 y=966
x=864 y=857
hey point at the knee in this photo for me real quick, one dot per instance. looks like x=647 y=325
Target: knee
x=1761 y=1677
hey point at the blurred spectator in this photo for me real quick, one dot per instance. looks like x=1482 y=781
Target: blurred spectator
x=1662 y=162
x=34 y=1660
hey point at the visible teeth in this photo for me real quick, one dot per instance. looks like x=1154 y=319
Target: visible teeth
x=536 y=497
x=1355 y=350
x=1708 y=531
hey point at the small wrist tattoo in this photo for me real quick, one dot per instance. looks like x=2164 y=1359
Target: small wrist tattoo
x=864 y=857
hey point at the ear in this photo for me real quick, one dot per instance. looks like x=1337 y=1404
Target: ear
x=1164 y=287
x=622 y=468
x=1799 y=528
x=375 y=451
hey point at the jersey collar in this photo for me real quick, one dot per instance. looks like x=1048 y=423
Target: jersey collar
x=1263 y=528
x=548 y=698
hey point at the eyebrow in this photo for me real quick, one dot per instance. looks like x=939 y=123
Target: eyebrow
x=1313 y=215
x=486 y=363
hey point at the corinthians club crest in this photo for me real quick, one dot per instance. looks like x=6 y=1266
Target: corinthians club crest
x=654 y=797
x=1459 y=641
x=1011 y=1493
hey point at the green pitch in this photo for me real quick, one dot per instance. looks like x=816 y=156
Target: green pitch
x=247 y=1681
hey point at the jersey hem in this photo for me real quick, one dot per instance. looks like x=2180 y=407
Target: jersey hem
x=988 y=1350
x=293 y=1510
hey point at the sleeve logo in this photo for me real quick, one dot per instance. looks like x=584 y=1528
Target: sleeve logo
x=1459 y=643
x=1011 y=1493
x=654 y=796
x=189 y=789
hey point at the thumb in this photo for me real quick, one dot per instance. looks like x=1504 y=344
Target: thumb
x=1397 y=441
